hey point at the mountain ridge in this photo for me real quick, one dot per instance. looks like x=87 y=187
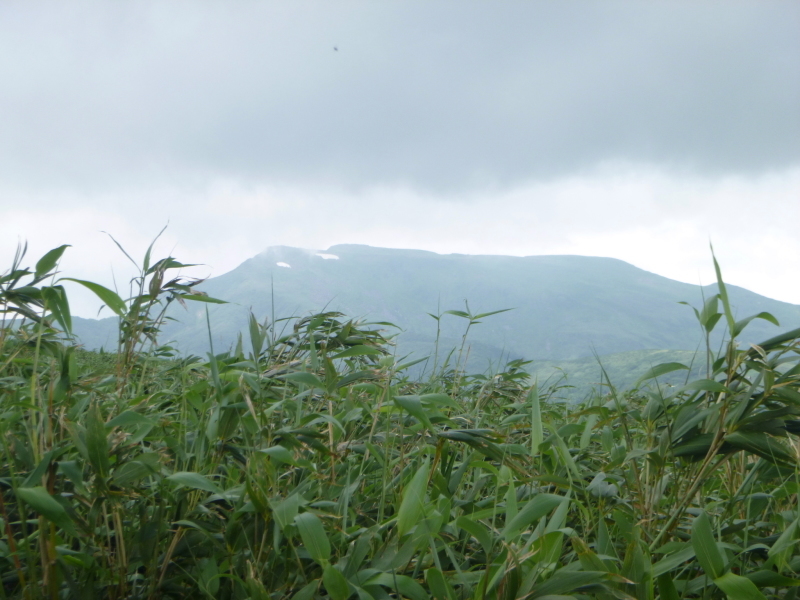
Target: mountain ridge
x=565 y=306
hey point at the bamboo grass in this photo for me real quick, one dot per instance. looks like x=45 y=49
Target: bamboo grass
x=313 y=465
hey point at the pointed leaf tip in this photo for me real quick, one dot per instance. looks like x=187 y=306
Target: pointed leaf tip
x=49 y=261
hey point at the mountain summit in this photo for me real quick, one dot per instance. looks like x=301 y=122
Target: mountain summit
x=564 y=307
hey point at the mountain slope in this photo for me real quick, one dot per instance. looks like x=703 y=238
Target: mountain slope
x=564 y=307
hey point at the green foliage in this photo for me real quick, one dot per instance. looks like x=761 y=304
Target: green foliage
x=308 y=464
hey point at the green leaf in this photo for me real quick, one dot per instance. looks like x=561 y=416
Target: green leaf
x=704 y=385
x=547 y=549
x=257 y=335
x=780 y=550
x=535 y=509
x=478 y=531
x=778 y=340
x=47 y=506
x=564 y=582
x=304 y=378
x=201 y=297
x=48 y=261
x=511 y=494
x=537 y=429
x=308 y=591
x=697 y=446
x=144 y=465
x=737 y=587
x=74 y=473
x=55 y=298
x=195 y=481
x=666 y=588
x=280 y=454
x=739 y=326
x=109 y=298
x=588 y=559
x=713 y=320
x=456 y=313
x=351 y=377
x=97 y=442
x=411 y=363
x=659 y=370
x=146 y=263
x=586 y=435
x=709 y=315
x=705 y=547
x=335 y=583
x=285 y=510
x=413 y=405
x=723 y=295
x=438 y=585
x=559 y=518
x=440 y=399
x=314 y=537
x=257 y=590
x=767 y=578
x=44 y=465
x=638 y=568
x=402 y=584
x=413 y=501
x=673 y=561
x=565 y=456
x=489 y=314
x=761 y=444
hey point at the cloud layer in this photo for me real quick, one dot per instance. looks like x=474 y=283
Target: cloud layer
x=634 y=130
x=648 y=217
x=447 y=96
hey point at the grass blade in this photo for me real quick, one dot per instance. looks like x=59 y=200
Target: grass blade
x=314 y=537
x=413 y=502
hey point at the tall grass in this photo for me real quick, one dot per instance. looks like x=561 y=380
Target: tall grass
x=306 y=463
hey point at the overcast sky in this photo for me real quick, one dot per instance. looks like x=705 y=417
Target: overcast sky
x=637 y=130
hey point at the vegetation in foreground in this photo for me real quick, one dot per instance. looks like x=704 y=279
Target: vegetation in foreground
x=306 y=464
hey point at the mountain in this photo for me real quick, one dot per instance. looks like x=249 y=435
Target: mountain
x=563 y=307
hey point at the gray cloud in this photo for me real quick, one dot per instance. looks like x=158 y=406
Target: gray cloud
x=440 y=96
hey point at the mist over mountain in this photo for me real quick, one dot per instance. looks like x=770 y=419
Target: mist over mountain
x=563 y=307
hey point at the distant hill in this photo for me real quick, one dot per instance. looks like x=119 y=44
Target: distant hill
x=564 y=307
x=574 y=379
